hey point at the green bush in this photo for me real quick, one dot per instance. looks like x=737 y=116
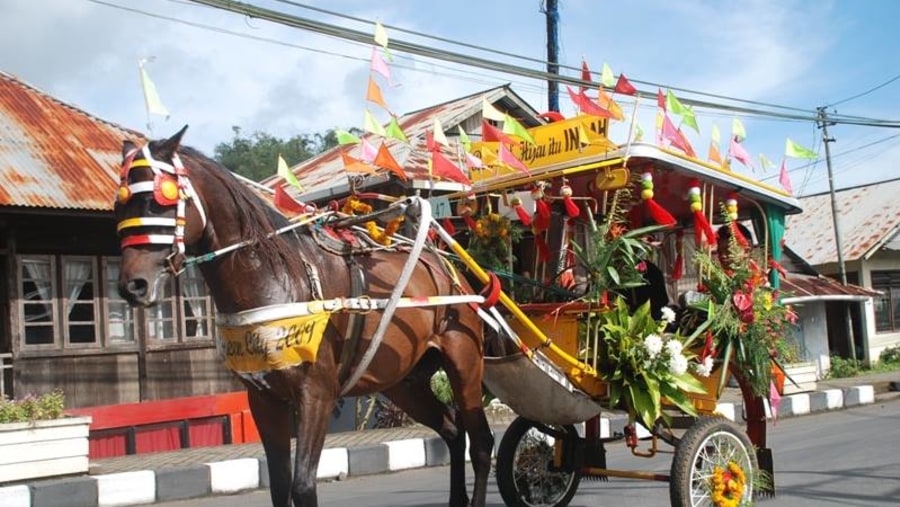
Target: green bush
x=890 y=355
x=32 y=408
x=843 y=368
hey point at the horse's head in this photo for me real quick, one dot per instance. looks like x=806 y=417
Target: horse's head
x=158 y=213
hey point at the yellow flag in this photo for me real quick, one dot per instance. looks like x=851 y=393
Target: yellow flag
x=151 y=96
x=606 y=76
x=490 y=112
x=381 y=37
x=372 y=125
x=285 y=172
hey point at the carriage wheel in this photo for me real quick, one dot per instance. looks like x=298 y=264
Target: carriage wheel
x=526 y=475
x=714 y=457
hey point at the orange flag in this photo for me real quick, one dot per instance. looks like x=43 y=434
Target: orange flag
x=373 y=94
x=714 y=155
x=607 y=102
x=356 y=165
x=385 y=160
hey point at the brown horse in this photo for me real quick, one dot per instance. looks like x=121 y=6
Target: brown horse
x=172 y=197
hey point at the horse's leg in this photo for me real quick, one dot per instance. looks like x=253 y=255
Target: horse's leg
x=272 y=418
x=316 y=402
x=464 y=364
x=414 y=396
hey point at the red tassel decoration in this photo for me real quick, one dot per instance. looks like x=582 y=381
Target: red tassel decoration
x=466 y=208
x=542 y=213
x=448 y=226
x=470 y=222
x=524 y=217
x=571 y=208
x=543 y=250
x=657 y=212
x=732 y=210
x=701 y=224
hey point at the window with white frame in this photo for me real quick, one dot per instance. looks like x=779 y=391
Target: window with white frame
x=887 y=306
x=119 y=315
x=184 y=312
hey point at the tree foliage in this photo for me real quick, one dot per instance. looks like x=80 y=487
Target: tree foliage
x=256 y=156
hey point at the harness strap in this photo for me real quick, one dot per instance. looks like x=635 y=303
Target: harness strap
x=355 y=321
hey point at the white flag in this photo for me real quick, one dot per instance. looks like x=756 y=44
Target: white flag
x=151 y=97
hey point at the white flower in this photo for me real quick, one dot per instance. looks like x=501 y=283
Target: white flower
x=653 y=343
x=678 y=364
x=674 y=347
x=704 y=369
x=668 y=315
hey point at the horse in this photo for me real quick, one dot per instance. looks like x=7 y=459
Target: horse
x=173 y=201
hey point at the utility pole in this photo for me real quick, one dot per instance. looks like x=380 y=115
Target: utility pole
x=842 y=268
x=551 y=10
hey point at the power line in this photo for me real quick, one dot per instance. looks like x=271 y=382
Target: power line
x=882 y=85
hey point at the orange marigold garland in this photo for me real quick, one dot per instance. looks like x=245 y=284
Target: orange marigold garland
x=728 y=485
x=353 y=206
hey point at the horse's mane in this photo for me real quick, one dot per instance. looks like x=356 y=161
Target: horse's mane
x=256 y=218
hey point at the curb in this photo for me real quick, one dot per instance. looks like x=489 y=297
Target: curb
x=232 y=476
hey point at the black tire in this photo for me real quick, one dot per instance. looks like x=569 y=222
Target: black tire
x=524 y=461
x=710 y=442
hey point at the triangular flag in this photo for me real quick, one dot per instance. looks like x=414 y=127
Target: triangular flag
x=660 y=113
x=491 y=133
x=765 y=162
x=473 y=161
x=373 y=93
x=488 y=157
x=586 y=105
x=714 y=155
x=286 y=203
x=513 y=127
x=688 y=118
x=394 y=131
x=380 y=66
x=430 y=145
x=448 y=170
x=381 y=37
x=638 y=133
x=355 y=165
x=685 y=145
x=285 y=172
x=367 y=152
x=624 y=86
x=606 y=76
x=151 y=96
x=794 y=150
x=344 y=137
x=784 y=179
x=737 y=130
x=385 y=160
x=673 y=105
x=439 y=135
x=606 y=102
x=583 y=138
x=660 y=99
x=509 y=159
x=464 y=139
x=740 y=153
x=371 y=125
x=489 y=111
x=585 y=72
x=716 y=135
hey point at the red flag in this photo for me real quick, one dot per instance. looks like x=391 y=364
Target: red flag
x=585 y=73
x=586 y=105
x=784 y=179
x=429 y=141
x=509 y=159
x=286 y=203
x=552 y=116
x=624 y=86
x=685 y=145
x=442 y=167
x=492 y=133
x=385 y=160
x=660 y=99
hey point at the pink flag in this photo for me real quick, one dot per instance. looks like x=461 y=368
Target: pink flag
x=586 y=105
x=367 y=152
x=379 y=65
x=774 y=401
x=509 y=159
x=473 y=161
x=739 y=153
x=784 y=179
x=669 y=132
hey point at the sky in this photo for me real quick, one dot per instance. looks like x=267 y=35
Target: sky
x=215 y=70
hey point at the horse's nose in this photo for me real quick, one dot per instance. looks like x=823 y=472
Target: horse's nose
x=134 y=290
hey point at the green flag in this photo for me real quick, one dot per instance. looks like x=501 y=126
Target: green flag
x=606 y=76
x=673 y=104
x=689 y=119
x=394 y=131
x=794 y=150
x=285 y=172
x=513 y=127
x=344 y=137
x=464 y=138
x=371 y=125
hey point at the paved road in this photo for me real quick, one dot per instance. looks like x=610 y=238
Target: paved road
x=844 y=458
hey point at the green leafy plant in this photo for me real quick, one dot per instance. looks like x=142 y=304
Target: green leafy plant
x=843 y=368
x=491 y=240
x=32 y=408
x=643 y=365
x=890 y=356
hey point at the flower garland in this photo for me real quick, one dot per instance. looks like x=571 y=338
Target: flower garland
x=728 y=485
x=353 y=206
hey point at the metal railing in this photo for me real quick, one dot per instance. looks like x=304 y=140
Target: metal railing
x=5 y=364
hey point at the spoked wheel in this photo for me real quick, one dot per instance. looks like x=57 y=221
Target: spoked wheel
x=526 y=473
x=713 y=461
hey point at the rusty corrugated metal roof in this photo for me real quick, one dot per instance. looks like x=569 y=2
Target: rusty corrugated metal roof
x=802 y=286
x=53 y=155
x=868 y=216
x=323 y=175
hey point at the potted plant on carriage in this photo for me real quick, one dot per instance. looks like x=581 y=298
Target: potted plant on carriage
x=38 y=439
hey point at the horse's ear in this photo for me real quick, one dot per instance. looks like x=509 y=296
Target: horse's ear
x=166 y=149
x=127 y=148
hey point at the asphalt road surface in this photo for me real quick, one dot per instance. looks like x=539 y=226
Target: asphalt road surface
x=844 y=458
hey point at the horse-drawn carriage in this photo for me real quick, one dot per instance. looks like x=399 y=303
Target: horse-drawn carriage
x=573 y=337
